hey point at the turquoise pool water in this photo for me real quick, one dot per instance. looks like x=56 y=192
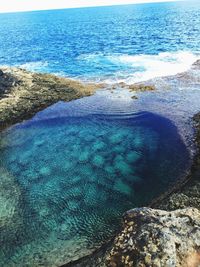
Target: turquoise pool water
x=66 y=179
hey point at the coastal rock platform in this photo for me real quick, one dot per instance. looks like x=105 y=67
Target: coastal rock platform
x=157 y=238
x=23 y=93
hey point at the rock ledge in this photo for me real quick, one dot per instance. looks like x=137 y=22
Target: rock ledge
x=157 y=238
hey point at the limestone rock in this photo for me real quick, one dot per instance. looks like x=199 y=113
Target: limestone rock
x=7 y=81
x=157 y=238
x=23 y=93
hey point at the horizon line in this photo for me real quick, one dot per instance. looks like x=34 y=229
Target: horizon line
x=95 y=6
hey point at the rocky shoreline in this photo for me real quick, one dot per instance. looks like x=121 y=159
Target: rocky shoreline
x=23 y=94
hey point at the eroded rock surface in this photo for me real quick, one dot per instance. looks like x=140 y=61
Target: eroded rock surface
x=157 y=238
x=23 y=93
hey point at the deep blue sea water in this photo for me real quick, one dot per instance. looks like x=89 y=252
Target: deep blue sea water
x=131 y=43
x=69 y=173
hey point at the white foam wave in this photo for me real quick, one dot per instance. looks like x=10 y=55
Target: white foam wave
x=125 y=68
x=35 y=66
x=138 y=68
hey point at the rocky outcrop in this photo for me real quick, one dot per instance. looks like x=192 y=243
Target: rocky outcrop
x=23 y=93
x=157 y=238
x=136 y=87
x=7 y=82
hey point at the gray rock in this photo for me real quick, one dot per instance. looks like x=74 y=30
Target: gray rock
x=23 y=93
x=158 y=238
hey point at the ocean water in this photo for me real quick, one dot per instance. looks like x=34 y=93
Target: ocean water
x=68 y=174
x=122 y=43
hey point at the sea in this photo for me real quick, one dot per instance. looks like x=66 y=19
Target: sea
x=118 y=43
x=68 y=174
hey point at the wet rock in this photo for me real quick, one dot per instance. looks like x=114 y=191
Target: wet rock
x=196 y=64
x=141 y=87
x=134 y=97
x=157 y=238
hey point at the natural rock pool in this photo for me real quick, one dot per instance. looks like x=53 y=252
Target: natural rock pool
x=68 y=175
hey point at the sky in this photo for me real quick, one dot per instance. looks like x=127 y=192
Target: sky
x=27 y=5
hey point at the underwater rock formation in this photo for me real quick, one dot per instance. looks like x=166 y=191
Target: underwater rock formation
x=10 y=211
x=157 y=238
x=10 y=196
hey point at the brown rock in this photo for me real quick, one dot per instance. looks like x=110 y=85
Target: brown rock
x=159 y=238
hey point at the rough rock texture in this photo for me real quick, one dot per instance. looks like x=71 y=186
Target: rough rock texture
x=157 y=238
x=7 y=81
x=141 y=87
x=23 y=93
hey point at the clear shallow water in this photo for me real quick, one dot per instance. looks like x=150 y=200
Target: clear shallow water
x=67 y=178
x=121 y=43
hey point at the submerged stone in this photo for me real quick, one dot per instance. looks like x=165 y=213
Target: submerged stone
x=98 y=145
x=121 y=165
x=84 y=156
x=116 y=138
x=46 y=171
x=98 y=160
x=133 y=156
x=122 y=187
